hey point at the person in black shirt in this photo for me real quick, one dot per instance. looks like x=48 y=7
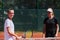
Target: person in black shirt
x=51 y=26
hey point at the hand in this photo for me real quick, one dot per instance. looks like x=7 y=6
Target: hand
x=56 y=35
x=43 y=36
x=20 y=37
x=17 y=38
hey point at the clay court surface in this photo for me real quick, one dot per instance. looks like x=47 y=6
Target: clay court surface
x=28 y=34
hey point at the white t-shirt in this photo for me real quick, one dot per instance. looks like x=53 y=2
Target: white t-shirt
x=8 y=23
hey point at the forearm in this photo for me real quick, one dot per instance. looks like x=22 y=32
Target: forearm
x=11 y=33
x=57 y=30
x=44 y=30
x=43 y=34
x=16 y=37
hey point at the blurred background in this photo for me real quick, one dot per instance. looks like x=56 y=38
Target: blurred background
x=29 y=14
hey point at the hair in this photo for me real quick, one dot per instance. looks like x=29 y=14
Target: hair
x=9 y=10
x=53 y=14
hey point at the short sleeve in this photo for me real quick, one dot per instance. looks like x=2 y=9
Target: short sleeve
x=7 y=23
x=56 y=21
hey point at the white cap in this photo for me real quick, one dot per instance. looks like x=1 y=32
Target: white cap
x=50 y=10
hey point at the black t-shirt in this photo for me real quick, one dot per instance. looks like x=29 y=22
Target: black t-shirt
x=50 y=25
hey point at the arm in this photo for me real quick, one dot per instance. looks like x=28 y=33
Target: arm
x=10 y=33
x=44 y=30
x=57 y=30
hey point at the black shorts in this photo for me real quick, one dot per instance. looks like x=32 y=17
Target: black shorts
x=50 y=35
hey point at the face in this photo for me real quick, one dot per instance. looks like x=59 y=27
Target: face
x=49 y=14
x=11 y=14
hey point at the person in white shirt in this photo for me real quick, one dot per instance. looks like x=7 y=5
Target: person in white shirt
x=9 y=27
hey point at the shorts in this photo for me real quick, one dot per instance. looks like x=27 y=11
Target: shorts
x=49 y=35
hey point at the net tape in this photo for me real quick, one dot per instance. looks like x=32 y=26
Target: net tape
x=50 y=38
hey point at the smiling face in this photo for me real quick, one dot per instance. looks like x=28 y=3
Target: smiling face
x=11 y=14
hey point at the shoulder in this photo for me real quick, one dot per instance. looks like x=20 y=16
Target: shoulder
x=55 y=18
x=46 y=18
x=56 y=21
x=7 y=20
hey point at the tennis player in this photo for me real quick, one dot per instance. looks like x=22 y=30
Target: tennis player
x=9 y=27
x=51 y=27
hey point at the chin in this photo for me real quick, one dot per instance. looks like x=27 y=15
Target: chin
x=10 y=18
